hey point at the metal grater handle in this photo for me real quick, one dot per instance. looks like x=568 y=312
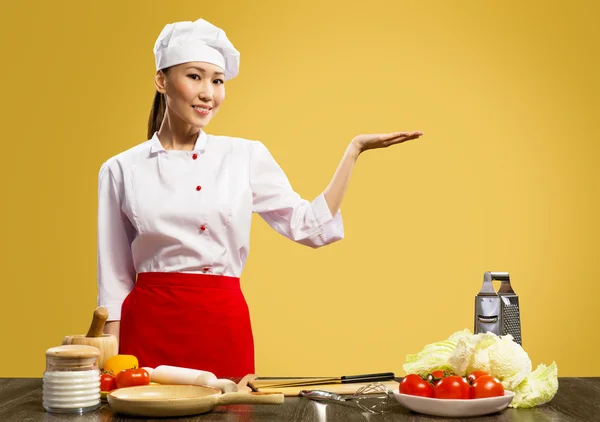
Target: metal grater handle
x=488 y=288
x=496 y=275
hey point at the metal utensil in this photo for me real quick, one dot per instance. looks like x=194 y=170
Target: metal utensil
x=266 y=382
x=498 y=312
x=373 y=398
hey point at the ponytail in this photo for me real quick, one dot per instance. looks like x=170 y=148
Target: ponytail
x=157 y=113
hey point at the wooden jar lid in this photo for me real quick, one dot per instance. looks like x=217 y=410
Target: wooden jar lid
x=73 y=351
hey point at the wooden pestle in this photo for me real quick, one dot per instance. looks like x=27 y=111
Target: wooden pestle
x=106 y=343
x=98 y=321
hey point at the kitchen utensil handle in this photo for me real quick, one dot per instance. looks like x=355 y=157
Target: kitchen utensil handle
x=98 y=321
x=382 y=376
x=250 y=398
x=497 y=275
x=487 y=288
x=504 y=277
x=321 y=395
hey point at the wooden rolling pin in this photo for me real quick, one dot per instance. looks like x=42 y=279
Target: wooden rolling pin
x=165 y=374
x=106 y=343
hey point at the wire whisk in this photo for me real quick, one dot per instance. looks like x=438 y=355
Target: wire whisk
x=373 y=398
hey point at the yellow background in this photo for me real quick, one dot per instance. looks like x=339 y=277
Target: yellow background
x=506 y=177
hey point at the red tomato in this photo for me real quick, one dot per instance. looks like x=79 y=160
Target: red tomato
x=131 y=377
x=487 y=386
x=437 y=375
x=108 y=382
x=415 y=385
x=453 y=387
x=474 y=375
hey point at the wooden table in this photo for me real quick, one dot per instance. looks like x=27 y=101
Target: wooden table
x=578 y=399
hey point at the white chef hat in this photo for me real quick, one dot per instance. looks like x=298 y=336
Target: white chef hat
x=198 y=41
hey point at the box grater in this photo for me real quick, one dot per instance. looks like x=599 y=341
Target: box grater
x=498 y=312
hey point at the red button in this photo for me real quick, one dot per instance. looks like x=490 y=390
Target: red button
x=203 y=227
x=195 y=156
x=205 y=269
x=198 y=188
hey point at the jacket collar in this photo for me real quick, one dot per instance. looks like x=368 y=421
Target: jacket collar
x=156 y=146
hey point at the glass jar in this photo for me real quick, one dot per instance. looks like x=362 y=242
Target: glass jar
x=72 y=379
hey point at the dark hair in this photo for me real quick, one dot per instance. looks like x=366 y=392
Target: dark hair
x=157 y=113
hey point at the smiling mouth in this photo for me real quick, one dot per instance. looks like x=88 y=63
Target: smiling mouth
x=203 y=111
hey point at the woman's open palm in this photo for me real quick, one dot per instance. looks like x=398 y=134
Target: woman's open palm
x=383 y=140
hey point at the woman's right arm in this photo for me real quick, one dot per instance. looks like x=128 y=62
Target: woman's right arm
x=116 y=272
x=113 y=327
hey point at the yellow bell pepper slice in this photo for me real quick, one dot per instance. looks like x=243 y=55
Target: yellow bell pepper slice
x=117 y=363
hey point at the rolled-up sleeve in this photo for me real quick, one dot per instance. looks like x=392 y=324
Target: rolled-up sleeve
x=116 y=273
x=308 y=223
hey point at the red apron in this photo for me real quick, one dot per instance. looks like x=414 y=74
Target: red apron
x=194 y=321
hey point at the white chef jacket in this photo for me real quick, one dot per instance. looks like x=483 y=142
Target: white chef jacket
x=190 y=211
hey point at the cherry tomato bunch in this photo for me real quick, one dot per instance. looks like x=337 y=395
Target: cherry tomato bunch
x=125 y=378
x=444 y=384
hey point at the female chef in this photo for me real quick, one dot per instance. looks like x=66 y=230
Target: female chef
x=174 y=214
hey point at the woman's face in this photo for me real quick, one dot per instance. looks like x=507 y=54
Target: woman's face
x=194 y=91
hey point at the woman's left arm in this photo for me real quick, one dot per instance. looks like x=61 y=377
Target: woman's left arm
x=334 y=193
x=319 y=222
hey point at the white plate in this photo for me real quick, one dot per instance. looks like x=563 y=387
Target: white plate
x=454 y=407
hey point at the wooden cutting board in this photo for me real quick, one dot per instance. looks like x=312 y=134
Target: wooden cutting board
x=349 y=388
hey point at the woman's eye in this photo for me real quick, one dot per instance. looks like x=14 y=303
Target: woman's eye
x=194 y=76
x=219 y=81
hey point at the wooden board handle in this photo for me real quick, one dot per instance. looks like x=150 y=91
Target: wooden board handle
x=97 y=327
x=250 y=398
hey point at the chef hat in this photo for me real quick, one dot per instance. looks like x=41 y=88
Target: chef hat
x=198 y=41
